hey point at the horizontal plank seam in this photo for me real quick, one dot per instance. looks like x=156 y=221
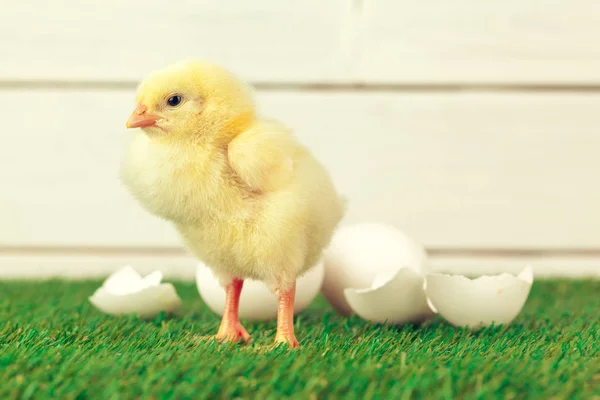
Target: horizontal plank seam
x=62 y=251
x=592 y=87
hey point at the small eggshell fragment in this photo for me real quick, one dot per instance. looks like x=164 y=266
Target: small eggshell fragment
x=126 y=292
x=401 y=299
x=127 y=280
x=257 y=301
x=479 y=302
x=361 y=252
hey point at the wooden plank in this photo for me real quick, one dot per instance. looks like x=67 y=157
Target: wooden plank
x=122 y=40
x=77 y=266
x=464 y=170
x=480 y=42
x=382 y=41
x=98 y=266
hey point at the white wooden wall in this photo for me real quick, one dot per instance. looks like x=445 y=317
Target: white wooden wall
x=474 y=126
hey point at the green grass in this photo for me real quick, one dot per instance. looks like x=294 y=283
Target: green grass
x=54 y=344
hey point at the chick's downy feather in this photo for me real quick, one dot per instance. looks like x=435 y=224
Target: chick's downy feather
x=246 y=197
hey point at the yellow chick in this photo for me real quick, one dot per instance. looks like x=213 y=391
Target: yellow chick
x=245 y=196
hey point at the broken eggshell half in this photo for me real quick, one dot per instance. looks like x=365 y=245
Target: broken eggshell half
x=364 y=256
x=479 y=302
x=395 y=299
x=126 y=292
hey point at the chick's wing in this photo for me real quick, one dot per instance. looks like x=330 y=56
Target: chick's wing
x=263 y=156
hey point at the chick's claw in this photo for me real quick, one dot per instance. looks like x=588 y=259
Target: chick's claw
x=233 y=333
x=290 y=339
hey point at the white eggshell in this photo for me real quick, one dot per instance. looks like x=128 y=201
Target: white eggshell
x=359 y=253
x=126 y=292
x=479 y=302
x=257 y=301
x=397 y=299
x=127 y=280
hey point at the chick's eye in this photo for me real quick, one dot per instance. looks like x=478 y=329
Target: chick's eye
x=174 y=101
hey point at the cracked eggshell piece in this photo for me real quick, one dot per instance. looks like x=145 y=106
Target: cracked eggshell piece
x=126 y=292
x=479 y=302
x=257 y=301
x=360 y=253
x=398 y=299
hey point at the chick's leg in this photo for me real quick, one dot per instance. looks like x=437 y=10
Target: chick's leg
x=285 y=318
x=231 y=330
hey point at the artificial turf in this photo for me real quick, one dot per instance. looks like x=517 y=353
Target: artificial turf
x=55 y=344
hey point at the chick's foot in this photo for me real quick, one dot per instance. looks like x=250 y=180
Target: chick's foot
x=288 y=338
x=232 y=332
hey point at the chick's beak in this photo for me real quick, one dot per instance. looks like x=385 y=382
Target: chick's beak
x=139 y=118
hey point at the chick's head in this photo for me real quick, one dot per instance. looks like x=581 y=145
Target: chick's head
x=193 y=99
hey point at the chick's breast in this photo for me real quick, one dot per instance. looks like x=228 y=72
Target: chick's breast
x=184 y=185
